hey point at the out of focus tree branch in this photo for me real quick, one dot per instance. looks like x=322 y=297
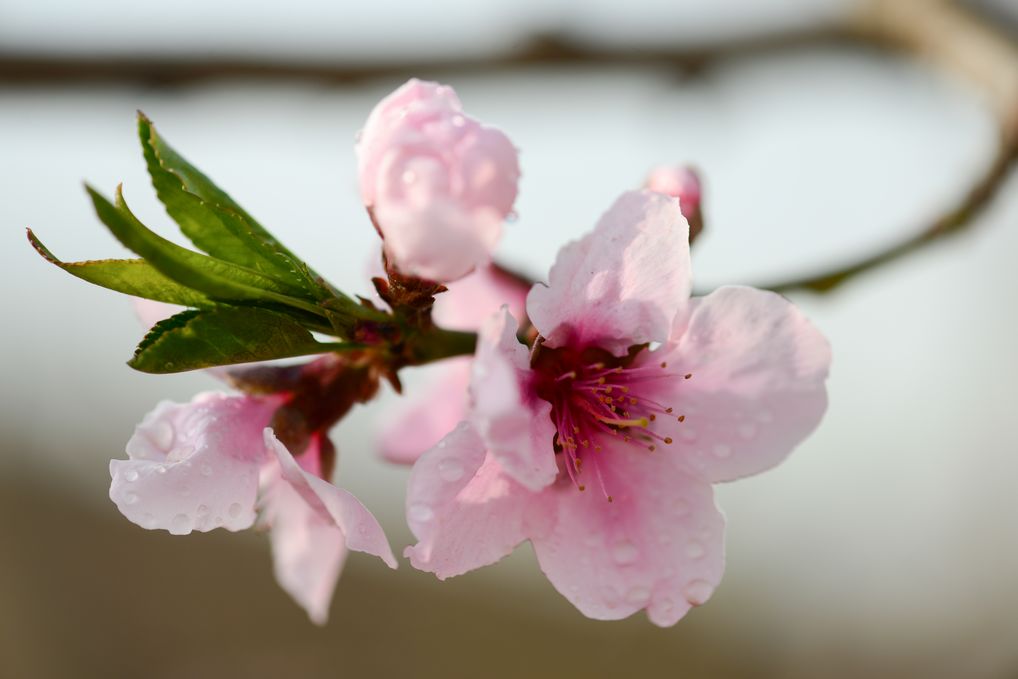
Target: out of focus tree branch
x=941 y=31
x=957 y=40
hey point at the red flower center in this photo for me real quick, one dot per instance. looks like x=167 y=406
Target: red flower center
x=598 y=400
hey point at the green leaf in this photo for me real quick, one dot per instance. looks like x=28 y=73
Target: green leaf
x=214 y=222
x=217 y=279
x=196 y=339
x=130 y=276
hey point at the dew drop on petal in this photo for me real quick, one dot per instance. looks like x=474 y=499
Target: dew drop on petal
x=689 y=434
x=694 y=550
x=203 y=510
x=722 y=450
x=747 y=430
x=625 y=553
x=206 y=470
x=698 y=591
x=420 y=512
x=442 y=443
x=131 y=475
x=161 y=434
x=450 y=469
x=217 y=520
x=161 y=469
x=234 y=510
x=130 y=499
x=148 y=520
x=458 y=121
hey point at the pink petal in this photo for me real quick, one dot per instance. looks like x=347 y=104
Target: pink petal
x=463 y=510
x=417 y=98
x=621 y=284
x=308 y=551
x=489 y=168
x=438 y=241
x=658 y=545
x=472 y=300
x=757 y=389
x=194 y=466
x=515 y=425
x=333 y=505
x=426 y=414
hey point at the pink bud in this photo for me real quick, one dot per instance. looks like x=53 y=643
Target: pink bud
x=682 y=183
x=437 y=183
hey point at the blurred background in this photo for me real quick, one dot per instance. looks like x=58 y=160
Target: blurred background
x=886 y=546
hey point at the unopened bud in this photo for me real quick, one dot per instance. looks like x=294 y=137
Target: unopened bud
x=682 y=183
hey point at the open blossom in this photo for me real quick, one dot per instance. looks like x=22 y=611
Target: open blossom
x=420 y=420
x=437 y=182
x=601 y=444
x=214 y=463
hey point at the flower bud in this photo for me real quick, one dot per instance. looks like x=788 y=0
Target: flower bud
x=682 y=183
x=437 y=183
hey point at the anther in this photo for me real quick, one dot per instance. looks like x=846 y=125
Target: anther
x=652 y=447
x=682 y=418
x=664 y=364
x=652 y=417
x=610 y=499
x=668 y=410
x=688 y=375
x=668 y=439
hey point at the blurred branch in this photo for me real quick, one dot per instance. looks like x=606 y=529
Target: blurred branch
x=957 y=40
x=942 y=31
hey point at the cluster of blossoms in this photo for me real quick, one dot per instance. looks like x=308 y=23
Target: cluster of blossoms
x=591 y=418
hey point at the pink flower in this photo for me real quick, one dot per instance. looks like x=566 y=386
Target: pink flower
x=601 y=443
x=437 y=182
x=682 y=183
x=428 y=412
x=213 y=463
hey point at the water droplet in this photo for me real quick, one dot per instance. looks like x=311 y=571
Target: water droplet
x=747 y=430
x=443 y=443
x=625 y=553
x=689 y=434
x=217 y=520
x=131 y=475
x=203 y=510
x=459 y=121
x=409 y=177
x=638 y=595
x=161 y=469
x=234 y=510
x=420 y=513
x=148 y=520
x=450 y=469
x=698 y=591
x=181 y=523
x=722 y=450
x=161 y=434
x=206 y=470
x=694 y=550
x=130 y=499
x=765 y=416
